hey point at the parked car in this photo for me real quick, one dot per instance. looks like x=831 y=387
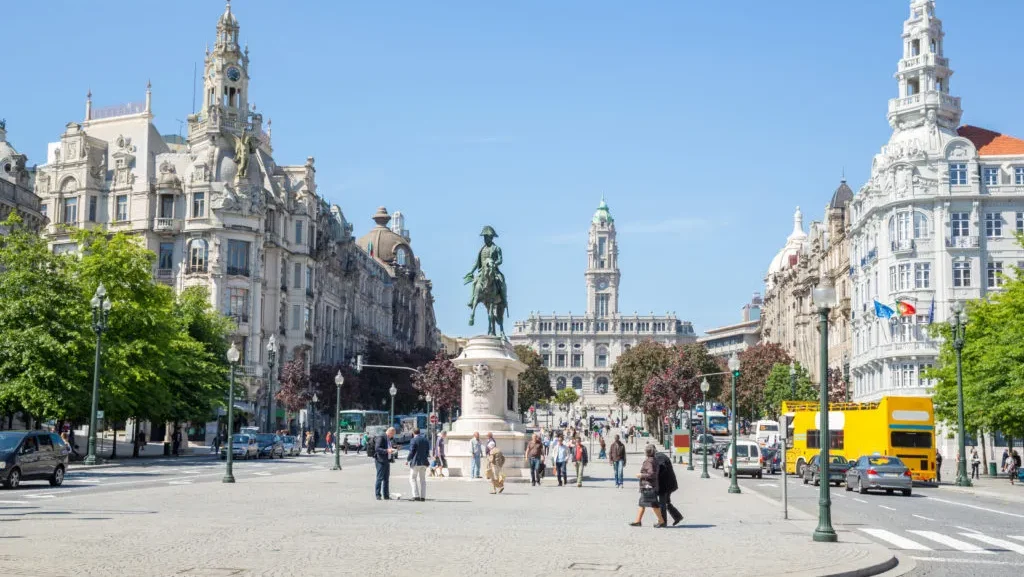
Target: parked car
x=771 y=460
x=291 y=445
x=879 y=472
x=268 y=445
x=32 y=455
x=244 y=447
x=836 y=470
x=748 y=459
x=703 y=443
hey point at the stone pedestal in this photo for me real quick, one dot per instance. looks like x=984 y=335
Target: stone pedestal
x=490 y=404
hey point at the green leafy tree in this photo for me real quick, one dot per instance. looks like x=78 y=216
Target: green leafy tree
x=565 y=398
x=534 y=382
x=756 y=365
x=635 y=367
x=47 y=351
x=779 y=388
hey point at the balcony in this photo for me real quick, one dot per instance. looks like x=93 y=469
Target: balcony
x=903 y=246
x=238 y=270
x=873 y=256
x=962 y=242
x=165 y=275
x=922 y=350
x=167 y=225
x=249 y=370
x=942 y=100
x=239 y=320
x=196 y=269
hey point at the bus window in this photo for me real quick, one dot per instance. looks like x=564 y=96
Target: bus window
x=836 y=439
x=907 y=440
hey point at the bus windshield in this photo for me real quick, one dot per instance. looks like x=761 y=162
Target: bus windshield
x=357 y=421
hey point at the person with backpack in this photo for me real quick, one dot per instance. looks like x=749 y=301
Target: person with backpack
x=938 y=467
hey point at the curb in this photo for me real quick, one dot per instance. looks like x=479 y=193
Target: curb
x=876 y=569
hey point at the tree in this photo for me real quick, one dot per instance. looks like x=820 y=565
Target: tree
x=779 y=388
x=442 y=380
x=635 y=367
x=534 y=382
x=294 y=391
x=756 y=365
x=565 y=398
x=836 y=386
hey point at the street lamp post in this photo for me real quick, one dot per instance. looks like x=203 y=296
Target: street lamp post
x=704 y=388
x=233 y=356
x=430 y=413
x=689 y=466
x=958 y=325
x=100 y=310
x=339 y=380
x=734 y=368
x=392 y=391
x=825 y=297
x=792 y=379
x=271 y=356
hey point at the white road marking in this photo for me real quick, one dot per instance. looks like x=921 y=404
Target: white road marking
x=85 y=480
x=1008 y=545
x=967 y=529
x=951 y=542
x=972 y=561
x=974 y=507
x=923 y=517
x=839 y=495
x=261 y=474
x=13 y=502
x=860 y=500
x=1017 y=537
x=41 y=496
x=179 y=482
x=897 y=540
x=889 y=508
x=766 y=485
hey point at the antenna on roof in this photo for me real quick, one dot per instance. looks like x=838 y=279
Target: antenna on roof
x=844 y=173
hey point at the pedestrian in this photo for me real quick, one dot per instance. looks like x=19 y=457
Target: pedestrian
x=328 y=438
x=938 y=467
x=344 y=444
x=439 y=451
x=316 y=440
x=475 y=452
x=667 y=484
x=495 y=461
x=383 y=455
x=1002 y=462
x=1013 y=464
x=975 y=463
x=418 y=459
x=603 y=454
x=561 y=456
x=648 y=477
x=580 y=459
x=491 y=444
x=310 y=443
x=617 y=456
x=535 y=456
x=176 y=440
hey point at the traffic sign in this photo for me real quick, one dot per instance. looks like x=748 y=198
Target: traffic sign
x=433 y=418
x=99 y=414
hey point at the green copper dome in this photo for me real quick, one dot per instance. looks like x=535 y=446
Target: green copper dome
x=603 y=214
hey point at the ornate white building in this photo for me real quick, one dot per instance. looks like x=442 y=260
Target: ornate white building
x=220 y=212
x=580 y=350
x=17 y=184
x=935 y=224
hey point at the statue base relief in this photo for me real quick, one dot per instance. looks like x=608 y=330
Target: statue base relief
x=490 y=400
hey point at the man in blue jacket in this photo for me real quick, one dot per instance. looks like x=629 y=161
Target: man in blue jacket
x=419 y=458
x=383 y=449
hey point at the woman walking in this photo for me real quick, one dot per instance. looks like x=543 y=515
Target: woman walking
x=603 y=454
x=649 y=488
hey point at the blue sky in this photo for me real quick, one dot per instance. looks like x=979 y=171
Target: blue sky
x=703 y=123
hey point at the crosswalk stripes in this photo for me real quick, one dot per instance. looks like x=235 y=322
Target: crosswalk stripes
x=1002 y=544
x=951 y=542
x=897 y=540
x=989 y=545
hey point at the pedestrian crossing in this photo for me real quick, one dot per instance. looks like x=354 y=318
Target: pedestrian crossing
x=969 y=541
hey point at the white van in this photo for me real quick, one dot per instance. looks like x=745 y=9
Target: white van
x=765 y=433
x=748 y=459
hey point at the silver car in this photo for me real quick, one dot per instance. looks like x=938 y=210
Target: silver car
x=879 y=472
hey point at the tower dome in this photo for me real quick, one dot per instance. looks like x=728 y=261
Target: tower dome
x=603 y=214
x=790 y=253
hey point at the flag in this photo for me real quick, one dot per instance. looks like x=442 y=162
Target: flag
x=931 y=312
x=882 y=311
x=905 y=309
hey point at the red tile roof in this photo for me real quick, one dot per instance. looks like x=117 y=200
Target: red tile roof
x=991 y=143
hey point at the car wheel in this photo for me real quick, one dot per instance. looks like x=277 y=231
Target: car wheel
x=906 y=492
x=58 y=476
x=805 y=480
x=888 y=491
x=848 y=486
x=800 y=465
x=816 y=480
x=860 y=486
x=760 y=475
x=13 y=479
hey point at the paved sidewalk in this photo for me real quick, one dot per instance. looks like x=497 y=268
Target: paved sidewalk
x=323 y=522
x=996 y=488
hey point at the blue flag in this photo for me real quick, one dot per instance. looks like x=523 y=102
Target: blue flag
x=931 y=312
x=882 y=311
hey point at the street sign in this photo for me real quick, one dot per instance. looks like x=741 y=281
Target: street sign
x=99 y=414
x=433 y=418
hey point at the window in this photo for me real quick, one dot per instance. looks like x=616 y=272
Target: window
x=577 y=383
x=993 y=224
x=908 y=440
x=990 y=174
x=238 y=257
x=166 y=206
x=309 y=280
x=920 y=225
x=602 y=305
x=166 y=259
x=957 y=174
x=958 y=224
x=559 y=383
x=296 y=317
x=298 y=232
x=546 y=359
x=602 y=357
x=199 y=205
x=122 y=207
x=307 y=319
x=577 y=359
x=922 y=275
x=602 y=386
x=45 y=444
x=401 y=258
x=238 y=304
x=962 y=274
x=197 y=256
x=995 y=274
x=892 y=279
x=1018 y=175
x=297 y=275
x=905 y=272
x=560 y=360
x=1020 y=222
x=915 y=47
x=70 y=211
x=43 y=210
x=93 y=203
x=836 y=439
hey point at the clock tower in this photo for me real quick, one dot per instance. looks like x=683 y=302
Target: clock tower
x=226 y=75
x=602 y=265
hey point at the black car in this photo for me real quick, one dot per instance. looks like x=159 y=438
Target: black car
x=836 y=470
x=268 y=445
x=771 y=460
x=32 y=455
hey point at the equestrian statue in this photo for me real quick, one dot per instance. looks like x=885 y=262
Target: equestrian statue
x=488 y=285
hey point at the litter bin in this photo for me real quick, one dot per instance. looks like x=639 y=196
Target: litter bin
x=992 y=469
x=167 y=449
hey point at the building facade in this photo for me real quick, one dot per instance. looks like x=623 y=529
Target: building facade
x=722 y=342
x=935 y=223
x=580 y=350
x=221 y=213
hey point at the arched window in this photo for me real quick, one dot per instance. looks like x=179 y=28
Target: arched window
x=577 y=383
x=559 y=383
x=69 y=184
x=601 y=357
x=601 y=387
x=198 y=252
x=402 y=257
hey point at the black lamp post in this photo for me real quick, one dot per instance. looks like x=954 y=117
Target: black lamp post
x=100 y=310
x=846 y=376
x=734 y=367
x=339 y=380
x=958 y=326
x=233 y=356
x=430 y=413
x=704 y=388
x=271 y=356
x=825 y=297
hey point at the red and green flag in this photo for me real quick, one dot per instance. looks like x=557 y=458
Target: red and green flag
x=905 y=309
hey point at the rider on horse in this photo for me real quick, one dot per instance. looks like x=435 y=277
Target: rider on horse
x=488 y=261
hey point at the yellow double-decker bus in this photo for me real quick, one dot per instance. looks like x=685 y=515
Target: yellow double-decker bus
x=903 y=427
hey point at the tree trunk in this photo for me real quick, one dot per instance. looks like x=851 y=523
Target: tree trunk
x=984 y=449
